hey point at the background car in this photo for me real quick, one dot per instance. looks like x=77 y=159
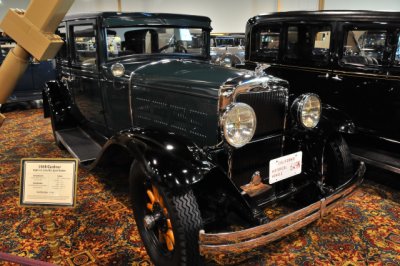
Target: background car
x=227 y=49
x=30 y=86
x=350 y=59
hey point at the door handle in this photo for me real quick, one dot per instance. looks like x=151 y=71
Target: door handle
x=323 y=76
x=67 y=79
x=337 y=78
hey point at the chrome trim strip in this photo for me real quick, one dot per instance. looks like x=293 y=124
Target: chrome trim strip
x=376 y=163
x=130 y=88
x=228 y=93
x=390 y=140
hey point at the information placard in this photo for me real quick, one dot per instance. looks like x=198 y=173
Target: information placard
x=48 y=182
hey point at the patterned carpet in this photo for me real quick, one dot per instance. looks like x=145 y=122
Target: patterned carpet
x=101 y=229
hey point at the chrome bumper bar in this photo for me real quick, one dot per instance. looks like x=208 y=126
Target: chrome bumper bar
x=251 y=238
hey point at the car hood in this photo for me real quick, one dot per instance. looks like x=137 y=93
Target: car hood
x=187 y=75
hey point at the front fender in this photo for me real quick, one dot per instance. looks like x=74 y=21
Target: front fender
x=334 y=120
x=172 y=160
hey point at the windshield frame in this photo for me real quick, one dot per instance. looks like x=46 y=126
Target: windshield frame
x=204 y=55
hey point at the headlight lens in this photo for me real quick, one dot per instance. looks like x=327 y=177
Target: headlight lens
x=239 y=124
x=118 y=70
x=307 y=109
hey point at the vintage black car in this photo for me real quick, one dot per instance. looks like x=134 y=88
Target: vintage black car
x=350 y=59
x=200 y=143
x=227 y=49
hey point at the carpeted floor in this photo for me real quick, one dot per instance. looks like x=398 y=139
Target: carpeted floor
x=101 y=229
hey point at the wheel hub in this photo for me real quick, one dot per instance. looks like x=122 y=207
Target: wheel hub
x=150 y=220
x=159 y=218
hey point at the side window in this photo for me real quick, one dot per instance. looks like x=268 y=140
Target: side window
x=292 y=50
x=397 y=55
x=364 y=47
x=267 y=43
x=62 y=54
x=322 y=42
x=84 y=45
x=309 y=44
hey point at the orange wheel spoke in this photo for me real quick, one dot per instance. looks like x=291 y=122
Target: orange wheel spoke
x=169 y=224
x=156 y=194
x=170 y=236
x=151 y=196
x=170 y=244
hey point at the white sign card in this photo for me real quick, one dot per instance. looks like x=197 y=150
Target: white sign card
x=48 y=182
x=285 y=167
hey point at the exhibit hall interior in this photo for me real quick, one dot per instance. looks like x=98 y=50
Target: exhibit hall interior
x=153 y=132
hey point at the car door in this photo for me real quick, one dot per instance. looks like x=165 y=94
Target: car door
x=392 y=92
x=116 y=89
x=84 y=77
x=359 y=82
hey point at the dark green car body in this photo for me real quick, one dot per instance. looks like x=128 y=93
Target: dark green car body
x=138 y=91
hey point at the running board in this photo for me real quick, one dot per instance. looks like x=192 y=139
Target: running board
x=376 y=158
x=79 y=144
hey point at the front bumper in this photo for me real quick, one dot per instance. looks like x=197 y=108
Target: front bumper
x=251 y=238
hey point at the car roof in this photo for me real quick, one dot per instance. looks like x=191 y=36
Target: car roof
x=139 y=18
x=329 y=15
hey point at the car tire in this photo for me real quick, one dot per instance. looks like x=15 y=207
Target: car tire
x=337 y=162
x=183 y=212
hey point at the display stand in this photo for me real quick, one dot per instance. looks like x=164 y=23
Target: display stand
x=49 y=183
x=51 y=235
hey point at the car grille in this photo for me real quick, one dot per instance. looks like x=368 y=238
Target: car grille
x=270 y=108
x=254 y=157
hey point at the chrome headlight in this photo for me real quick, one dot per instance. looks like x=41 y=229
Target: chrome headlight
x=118 y=70
x=306 y=109
x=225 y=61
x=239 y=124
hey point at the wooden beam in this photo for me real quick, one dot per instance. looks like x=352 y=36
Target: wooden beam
x=119 y=5
x=321 y=4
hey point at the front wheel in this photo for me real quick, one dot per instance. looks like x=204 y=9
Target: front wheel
x=337 y=162
x=168 y=222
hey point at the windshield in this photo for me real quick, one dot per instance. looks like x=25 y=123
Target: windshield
x=124 y=41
